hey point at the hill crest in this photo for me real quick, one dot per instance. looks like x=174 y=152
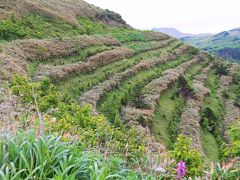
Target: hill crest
x=66 y=10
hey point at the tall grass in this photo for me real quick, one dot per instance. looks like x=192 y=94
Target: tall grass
x=26 y=156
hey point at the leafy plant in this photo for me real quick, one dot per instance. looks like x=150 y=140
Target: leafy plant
x=224 y=171
x=222 y=69
x=236 y=78
x=185 y=86
x=233 y=150
x=90 y=26
x=73 y=120
x=183 y=152
x=210 y=120
x=45 y=93
x=26 y=156
x=11 y=29
x=193 y=51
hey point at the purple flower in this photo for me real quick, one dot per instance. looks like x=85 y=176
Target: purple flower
x=181 y=169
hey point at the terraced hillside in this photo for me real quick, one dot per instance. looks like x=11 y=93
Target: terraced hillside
x=90 y=77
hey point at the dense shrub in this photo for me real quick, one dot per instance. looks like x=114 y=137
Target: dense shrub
x=212 y=122
x=45 y=93
x=193 y=51
x=185 y=86
x=32 y=25
x=236 y=78
x=124 y=34
x=182 y=152
x=225 y=94
x=90 y=26
x=222 y=69
x=175 y=120
x=209 y=119
x=236 y=89
x=12 y=29
x=74 y=120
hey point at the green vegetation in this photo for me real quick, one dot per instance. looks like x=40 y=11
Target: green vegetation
x=170 y=107
x=111 y=104
x=35 y=26
x=212 y=113
x=234 y=91
x=192 y=158
x=142 y=46
x=11 y=29
x=234 y=149
x=167 y=116
x=63 y=118
x=60 y=139
x=210 y=145
x=77 y=56
x=48 y=157
x=127 y=35
x=75 y=85
x=222 y=69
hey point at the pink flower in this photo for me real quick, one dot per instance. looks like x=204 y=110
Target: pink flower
x=181 y=169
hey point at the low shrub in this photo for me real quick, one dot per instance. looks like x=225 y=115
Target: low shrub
x=236 y=78
x=124 y=34
x=222 y=69
x=182 y=152
x=44 y=92
x=90 y=26
x=185 y=86
x=193 y=51
x=72 y=120
x=210 y=121
x=11 y=29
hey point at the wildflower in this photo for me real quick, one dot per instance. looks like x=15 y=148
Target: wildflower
x=181 y=169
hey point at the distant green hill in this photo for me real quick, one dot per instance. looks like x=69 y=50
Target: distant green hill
x=225 y=44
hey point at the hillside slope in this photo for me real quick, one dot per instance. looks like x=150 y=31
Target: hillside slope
x=224 y=44
x=118 y=96
x=63 y=9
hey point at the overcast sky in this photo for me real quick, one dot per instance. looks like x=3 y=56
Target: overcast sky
x=190 y=16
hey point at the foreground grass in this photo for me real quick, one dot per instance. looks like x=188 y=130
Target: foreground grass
x=26 y=156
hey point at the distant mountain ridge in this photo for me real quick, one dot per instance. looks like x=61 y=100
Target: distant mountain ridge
x=172 y=32
x=176 y=33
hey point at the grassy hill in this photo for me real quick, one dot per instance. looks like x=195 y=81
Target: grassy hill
x=85 y=96
x=224 y=44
